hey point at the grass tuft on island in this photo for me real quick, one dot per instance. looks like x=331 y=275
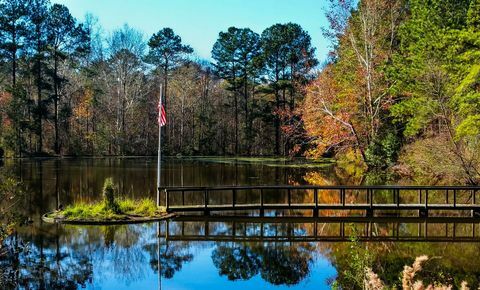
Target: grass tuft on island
x=128 y=209
x=109 y=210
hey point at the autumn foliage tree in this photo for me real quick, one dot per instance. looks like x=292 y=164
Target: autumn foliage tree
x=328 y=114
x=351 y=95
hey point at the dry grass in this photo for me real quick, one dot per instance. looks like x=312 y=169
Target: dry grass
x=373 y=282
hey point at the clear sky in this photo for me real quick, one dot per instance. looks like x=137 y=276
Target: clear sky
x=198 y=22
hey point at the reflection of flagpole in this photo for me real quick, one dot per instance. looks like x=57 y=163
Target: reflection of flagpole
x=159 y=265
x=159 y=154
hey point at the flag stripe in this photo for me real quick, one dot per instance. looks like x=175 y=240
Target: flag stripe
x=162 y=117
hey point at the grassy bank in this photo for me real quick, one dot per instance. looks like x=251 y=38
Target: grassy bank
x=126 y=209
x=268 y=161
x=109 y=209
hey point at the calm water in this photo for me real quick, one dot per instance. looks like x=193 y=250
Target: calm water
x=201 y=254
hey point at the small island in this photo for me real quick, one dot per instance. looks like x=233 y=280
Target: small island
x=109 y=210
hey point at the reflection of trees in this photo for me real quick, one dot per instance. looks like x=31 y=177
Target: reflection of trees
x=172 y=257
x=452 y=264
x=285 y=265
x=127 y=256
x=277 y=264
x=60 y=257
x=237 y=263
x=44 y=268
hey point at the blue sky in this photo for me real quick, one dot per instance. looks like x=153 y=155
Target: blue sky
x=198 y=22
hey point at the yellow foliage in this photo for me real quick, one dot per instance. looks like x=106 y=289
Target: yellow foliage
x=84 y=107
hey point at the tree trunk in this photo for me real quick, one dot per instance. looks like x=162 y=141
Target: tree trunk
x=235 y=98
x=276 y=117
x=124 y=130
x=55 y=87
x=39 y=94
x=14 y=56
x=247 y=124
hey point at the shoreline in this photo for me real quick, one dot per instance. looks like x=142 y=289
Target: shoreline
x=130 y=219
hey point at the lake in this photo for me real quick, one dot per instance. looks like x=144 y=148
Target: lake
x=199 y=253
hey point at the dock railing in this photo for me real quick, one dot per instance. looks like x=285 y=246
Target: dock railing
x=318 y=198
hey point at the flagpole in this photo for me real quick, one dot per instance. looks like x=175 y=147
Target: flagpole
x=159 y=154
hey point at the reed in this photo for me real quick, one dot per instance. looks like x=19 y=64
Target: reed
x=373 y=282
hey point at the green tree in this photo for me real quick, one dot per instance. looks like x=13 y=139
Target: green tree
x=65 y=37
x=467 y=93
x=237 y=55
x=436 y=77
x=166 y=52
x=18 y=112
x=12 y=31
x=289 y=58
x=37 y=44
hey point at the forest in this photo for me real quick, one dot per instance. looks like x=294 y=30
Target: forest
x=399 y=91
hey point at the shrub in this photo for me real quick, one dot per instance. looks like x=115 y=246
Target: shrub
x=109 y=196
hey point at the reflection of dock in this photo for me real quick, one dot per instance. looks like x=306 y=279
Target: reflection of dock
x=307 y=229
x=368 y=199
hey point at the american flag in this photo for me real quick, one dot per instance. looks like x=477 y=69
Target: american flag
x=162 y=117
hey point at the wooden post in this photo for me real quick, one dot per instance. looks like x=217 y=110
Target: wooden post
x=397 y=226
x=369 y=212
x=167 y=203
x=475 y=211
x=454 y=198
x=425 y=213
x=289 y=197
x=261 y=231
x=234 y=197
x=205 y=198
x=398 y=197
x=315 y=198
x=262 y=212
x=167 y=229
x=371 y=198
x=426 y=229
x=473 y=203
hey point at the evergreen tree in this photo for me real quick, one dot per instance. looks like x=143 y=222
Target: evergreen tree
x=237 y=55
x=37 y=46
x=289 y=58
x=13 y=22
x=64 y=38
x=166 y=52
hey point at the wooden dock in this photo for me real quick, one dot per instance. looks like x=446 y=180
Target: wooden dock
x=368 y=199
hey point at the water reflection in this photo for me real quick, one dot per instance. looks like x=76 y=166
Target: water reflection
x=215 y=253
x=54 y=181
x=69 y=257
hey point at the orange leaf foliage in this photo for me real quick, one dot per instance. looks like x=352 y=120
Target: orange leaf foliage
x=328 y=112
x=83 y=110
